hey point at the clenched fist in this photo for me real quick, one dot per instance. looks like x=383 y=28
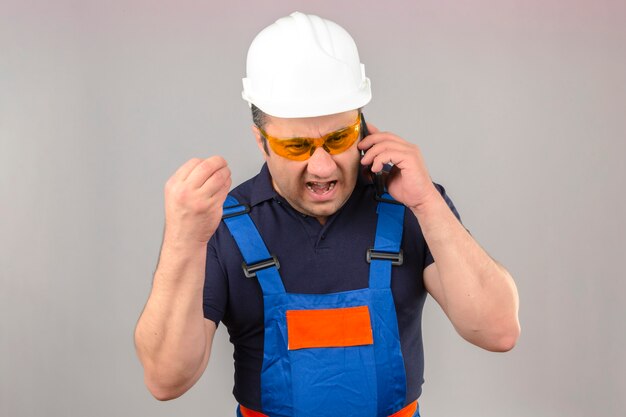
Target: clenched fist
x=193 y=200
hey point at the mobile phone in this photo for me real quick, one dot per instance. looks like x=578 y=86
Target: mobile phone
x=378 y=178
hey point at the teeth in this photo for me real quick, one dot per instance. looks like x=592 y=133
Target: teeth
x=321 y=187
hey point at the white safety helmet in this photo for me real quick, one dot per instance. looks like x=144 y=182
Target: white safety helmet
x=305 y=66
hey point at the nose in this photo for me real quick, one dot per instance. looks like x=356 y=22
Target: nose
x=321 y=164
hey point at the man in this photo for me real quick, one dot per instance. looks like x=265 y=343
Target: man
x=320 y=267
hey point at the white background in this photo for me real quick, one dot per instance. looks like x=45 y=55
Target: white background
x=518 y=107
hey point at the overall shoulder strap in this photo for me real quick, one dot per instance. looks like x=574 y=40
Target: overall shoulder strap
x=257 y=259
x=386 y=251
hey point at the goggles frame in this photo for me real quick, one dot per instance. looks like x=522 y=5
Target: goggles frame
x=301 y=149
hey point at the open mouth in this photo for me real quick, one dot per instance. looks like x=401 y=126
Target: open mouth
x=321 y=188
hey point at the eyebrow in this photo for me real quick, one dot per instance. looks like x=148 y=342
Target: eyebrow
x=309 y=137
x=332 y=132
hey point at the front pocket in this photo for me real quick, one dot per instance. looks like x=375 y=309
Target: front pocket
x=336 y=327
x=334 y=381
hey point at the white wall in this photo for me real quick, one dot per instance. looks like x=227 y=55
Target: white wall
x=517 y=105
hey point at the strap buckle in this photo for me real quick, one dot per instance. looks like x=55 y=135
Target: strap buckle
x=396 y=258
x=245 y=208
x=250 y=270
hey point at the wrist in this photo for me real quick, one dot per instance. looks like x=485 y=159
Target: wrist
x=181 y=248
x=181 y=241
x=181 y=265
x=431 y=201
x=435 y=218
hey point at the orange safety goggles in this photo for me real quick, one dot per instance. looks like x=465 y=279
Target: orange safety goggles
x=301 y=149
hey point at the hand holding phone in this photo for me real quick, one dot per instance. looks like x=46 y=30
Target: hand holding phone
x=402 y=173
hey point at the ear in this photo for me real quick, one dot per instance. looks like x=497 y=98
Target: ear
x=260 y=141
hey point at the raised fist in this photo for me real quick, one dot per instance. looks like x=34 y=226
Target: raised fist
x=193 y=200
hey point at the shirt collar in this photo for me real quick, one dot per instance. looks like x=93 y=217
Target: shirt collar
x=262 y=189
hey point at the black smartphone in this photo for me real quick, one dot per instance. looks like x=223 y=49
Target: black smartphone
x=378 y=178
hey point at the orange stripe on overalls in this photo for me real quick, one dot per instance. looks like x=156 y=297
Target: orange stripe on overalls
x=329 y=327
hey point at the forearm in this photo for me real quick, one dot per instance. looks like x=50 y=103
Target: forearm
x=477 y=294
x=171 y=337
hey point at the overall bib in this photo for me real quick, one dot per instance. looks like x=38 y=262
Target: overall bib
x=328 y=355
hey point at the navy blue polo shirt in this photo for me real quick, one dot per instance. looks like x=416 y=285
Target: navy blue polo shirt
x=314 y=259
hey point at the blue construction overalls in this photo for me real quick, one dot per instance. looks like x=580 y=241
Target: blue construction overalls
x=328 y=355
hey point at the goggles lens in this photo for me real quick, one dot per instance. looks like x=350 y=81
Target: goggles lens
x=301 y=149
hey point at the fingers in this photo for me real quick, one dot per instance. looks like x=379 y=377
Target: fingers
x=382 y=160
x=202 y=177
x=204 y=170
x=194 y=196
x=378 y=137
x=395 y=158
x=222 y=193
x=219 y=181
x=183 y=171
x=388 y=151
